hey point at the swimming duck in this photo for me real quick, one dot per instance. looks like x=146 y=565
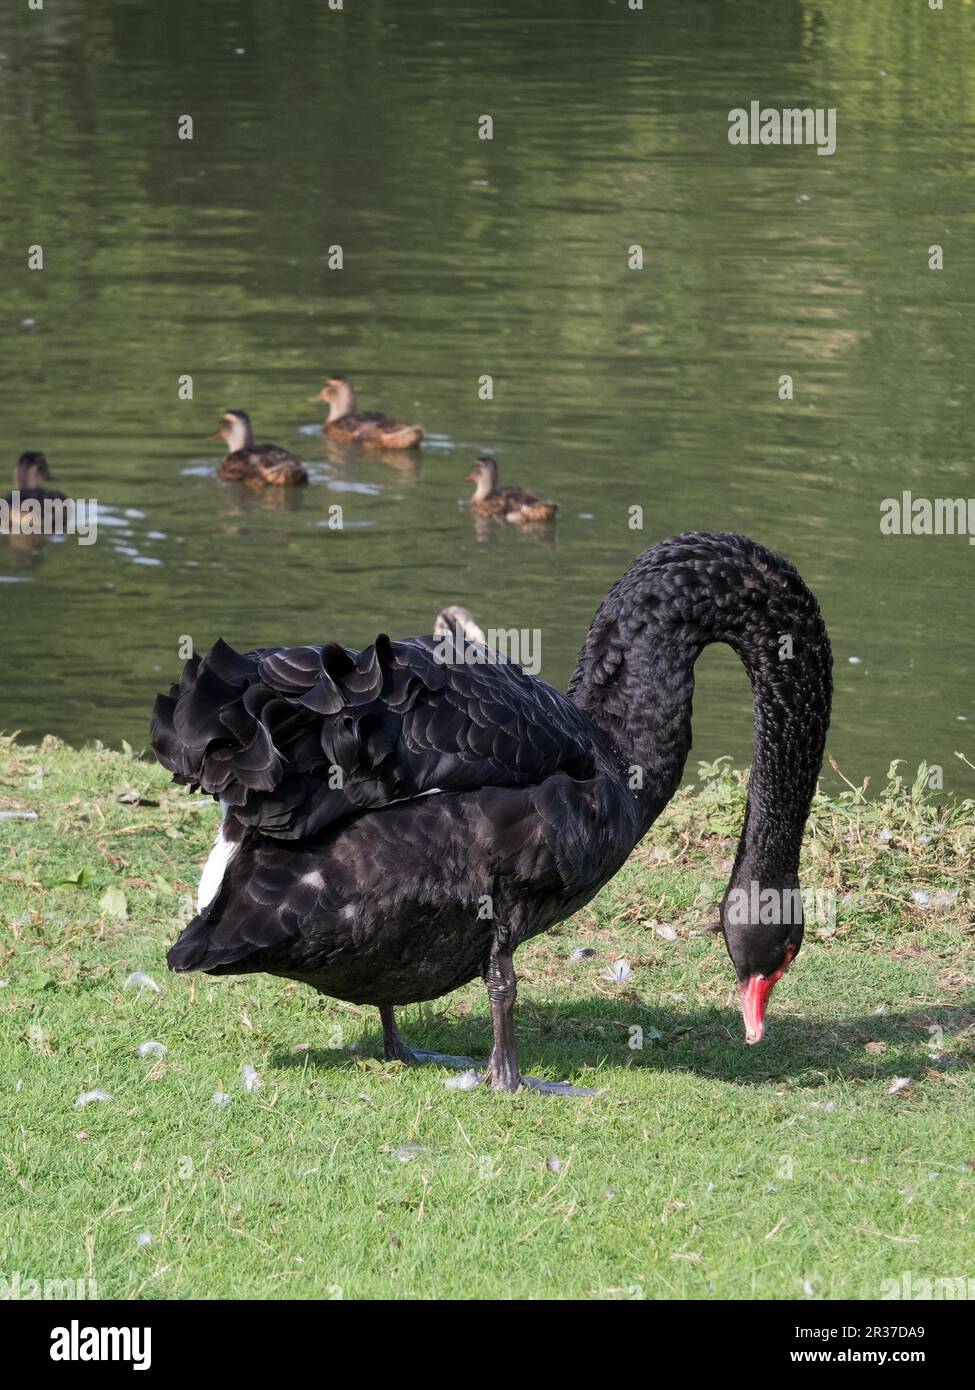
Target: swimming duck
x=505 y=503
x=455 y=620
x=370 y=429
x=30 y=474
x=257 y=465
x=476 y=805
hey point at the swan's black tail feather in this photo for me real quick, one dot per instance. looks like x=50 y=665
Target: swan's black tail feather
x=292 y=739
x=191 y=947
x=202 y=945
x=222 y=936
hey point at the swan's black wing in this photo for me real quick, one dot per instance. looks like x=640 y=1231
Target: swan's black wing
x=295 y=738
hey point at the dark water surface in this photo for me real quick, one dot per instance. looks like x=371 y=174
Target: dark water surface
x=612 y=387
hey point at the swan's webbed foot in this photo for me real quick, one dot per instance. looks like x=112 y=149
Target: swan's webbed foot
x=509 y=1079
x=396 y=1050
x=558 y=1088
x=501 y=1073
x=420 y=1057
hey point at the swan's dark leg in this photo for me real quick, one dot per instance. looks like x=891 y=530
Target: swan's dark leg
x=396 y=1050
x=502 y=1068
x=502 y=987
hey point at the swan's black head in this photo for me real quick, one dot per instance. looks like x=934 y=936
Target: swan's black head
x=762 y=927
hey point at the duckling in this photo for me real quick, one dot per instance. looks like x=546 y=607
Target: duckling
x=257 y=465
x=505 y=503
x=30 y=475
x=370 y=429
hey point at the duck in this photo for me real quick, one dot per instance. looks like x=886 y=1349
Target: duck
x=257 y=465
x=457 y=622
x=395 y=826
x=372 y=429
x=505 y=503
x=32 y=513
x=31 y=473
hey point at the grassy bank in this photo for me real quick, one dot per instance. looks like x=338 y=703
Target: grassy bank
x=802 y=1168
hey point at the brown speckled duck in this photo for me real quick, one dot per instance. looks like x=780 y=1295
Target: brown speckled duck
x=372 y=429
x=257 y=465
x=30 y=475
x=505 y=503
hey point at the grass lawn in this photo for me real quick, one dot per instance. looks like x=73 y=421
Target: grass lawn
x=707 y=1169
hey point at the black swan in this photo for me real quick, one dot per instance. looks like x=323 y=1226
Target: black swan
x=398 y=821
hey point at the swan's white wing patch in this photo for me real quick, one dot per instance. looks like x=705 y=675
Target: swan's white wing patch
x=214 y=869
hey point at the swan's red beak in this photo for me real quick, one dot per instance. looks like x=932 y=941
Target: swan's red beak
x=755 y=993
x=754 y=998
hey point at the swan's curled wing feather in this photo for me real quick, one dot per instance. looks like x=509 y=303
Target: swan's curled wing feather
x=295 y=738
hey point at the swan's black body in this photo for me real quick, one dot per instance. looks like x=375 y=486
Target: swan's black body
x=404 y=822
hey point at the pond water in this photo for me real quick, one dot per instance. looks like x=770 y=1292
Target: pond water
x=612 y=387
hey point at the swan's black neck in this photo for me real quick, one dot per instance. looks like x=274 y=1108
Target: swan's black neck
x=635 y=679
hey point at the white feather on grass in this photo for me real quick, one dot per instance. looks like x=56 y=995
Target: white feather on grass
x=138 y=980
x=618 y=973
x=88 y=1097
x=465 y=1081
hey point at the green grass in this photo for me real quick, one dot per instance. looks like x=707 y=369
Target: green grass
x=706 y=1169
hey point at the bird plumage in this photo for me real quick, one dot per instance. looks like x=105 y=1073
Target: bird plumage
x=31 y=472
x=256 y=465
x=369 y=428
x=512 y=504
x=402 y=823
